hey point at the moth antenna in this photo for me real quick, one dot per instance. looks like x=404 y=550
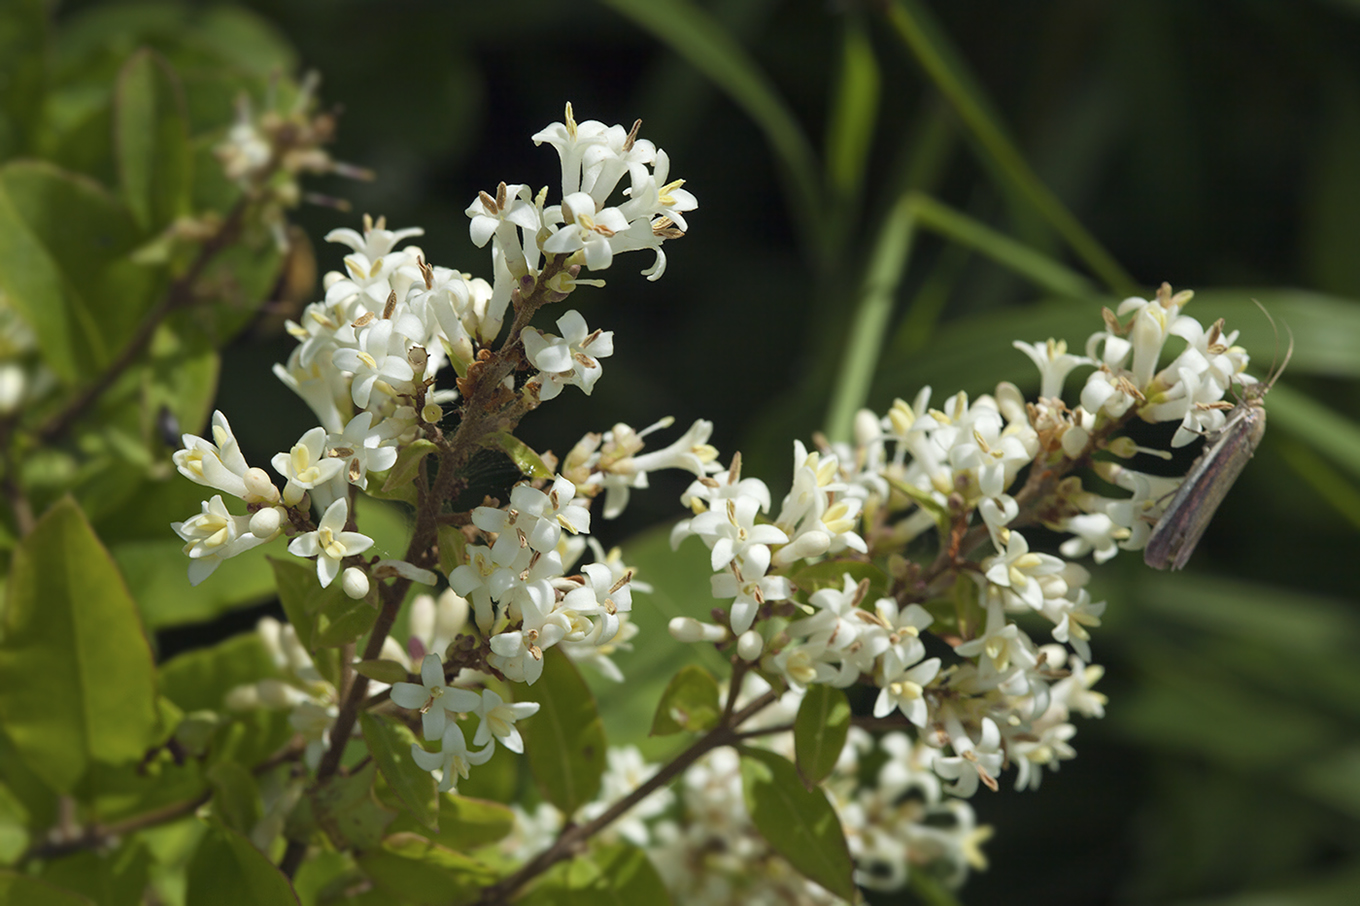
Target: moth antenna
x=1274 y=374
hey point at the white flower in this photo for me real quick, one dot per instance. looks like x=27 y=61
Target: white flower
x=361 y=448
x=221 y=465
x=452 y=760
x=433 y=698
x=1054 y=363
x=306 y=465
x=213 y=536
x=498 y=720
x=572 y=358
x=330 y=543
x=905 y=691
x=379 y=363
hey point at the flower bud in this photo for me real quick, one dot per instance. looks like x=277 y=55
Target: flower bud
x=750 y=645
x=688 y=629
x=265 y=523
x=259 y=488
x=354 y=581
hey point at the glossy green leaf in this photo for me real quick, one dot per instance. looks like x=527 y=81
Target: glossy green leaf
x=69 y=627
x=564 y=741
x=390 y=745
x=21 y=890
x=819 y=731
x=798 y=823
x=690 y=702
x=467 y=823
x=529 y=463
x=403 y=472
x=424 y=873
x=832 y=573
x=615 y=875
x=151 y=138
x=227 y=870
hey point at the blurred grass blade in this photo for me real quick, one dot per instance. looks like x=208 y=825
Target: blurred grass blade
x=1325 y=430
x=865 y=343
x=696 y=36
x=948 y=71
x=850 y=130
x=1331 y=486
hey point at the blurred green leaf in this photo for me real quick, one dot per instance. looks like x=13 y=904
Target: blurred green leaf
x=69 y=626
x=1325 y=430
x=1332 y=216
x=19 y=890
x=465 y=823
x=227 y=870
x=303 y=598
x=798 y=823
x=424 y=873
x=109 y=879
x=690 y=702
x=344 y=622
x=236 y=796
x=616 y=875
x=89 y=235
x=819 y=732
x=382 y=670
x=390 y=745
x=349 y=813
x=151 y=135
x=158 y=572
x=564 y=741
x=199 y=680
x=23 y=47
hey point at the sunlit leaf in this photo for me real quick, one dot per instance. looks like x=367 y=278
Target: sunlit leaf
x=819 y=731
x=690 y=702
x=227 y=870
x=564 y=741
x=390 y=746
x=70 y=626
x=151 y=136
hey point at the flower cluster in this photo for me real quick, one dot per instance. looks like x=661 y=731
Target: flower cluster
x=367 y=364
x=948 y=645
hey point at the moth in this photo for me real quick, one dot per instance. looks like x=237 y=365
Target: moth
x=1225 y=455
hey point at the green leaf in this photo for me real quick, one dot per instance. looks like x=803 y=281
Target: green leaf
x=390 y=745
x=690 y=702
x=452 y=548
x=382 y=670
x=564 y=741
x=156 y=572
x=236 y=796
x=19 y=890
x=521 y=454
x=199 y=680
x=466 y=823
x=404 y=470
x=348 y=812
x=424 y=873
x=303 y=598
x=819 y=732
x=344 y=622
x=227 y=870
x=616 y=875
x=832 y=573
x=113 y=879
x=32 y=283
x=798 y=823
x=151 y=138
x=70 y=627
